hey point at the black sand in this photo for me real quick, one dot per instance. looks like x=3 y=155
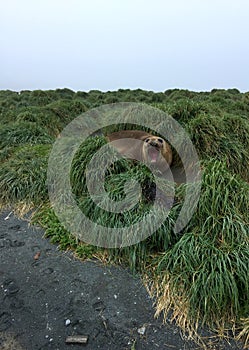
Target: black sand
x=44 y=299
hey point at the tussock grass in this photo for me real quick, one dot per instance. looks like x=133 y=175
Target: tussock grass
x=223 y=138
x=23 y=132
x=51 y=117
x=204 y=276
x=43 y=117
x=5 y=153
x=244 y=333
x=55 y=231
x=23 y=176
x=116 y=177
x=199 y=276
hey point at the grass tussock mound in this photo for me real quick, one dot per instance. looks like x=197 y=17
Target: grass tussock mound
x=199 y=276
x=116 y=178
x=204 y=277
x=223 y=138
x=200 y=273
x=23 y=132
x=23 y=177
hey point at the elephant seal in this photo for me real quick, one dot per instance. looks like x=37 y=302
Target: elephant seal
x=153 y=151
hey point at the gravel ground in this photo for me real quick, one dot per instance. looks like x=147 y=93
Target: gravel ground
x=47 y=295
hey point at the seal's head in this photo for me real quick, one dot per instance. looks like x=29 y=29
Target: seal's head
x=155 y=150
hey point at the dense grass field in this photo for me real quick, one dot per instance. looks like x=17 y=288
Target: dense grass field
x=199 y=276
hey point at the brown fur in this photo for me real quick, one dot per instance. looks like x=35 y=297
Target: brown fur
x=154 y=150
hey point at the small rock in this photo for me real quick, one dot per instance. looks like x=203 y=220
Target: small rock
x=141 y=330
x=115 y=296
x=37 y=255
x=67 y=322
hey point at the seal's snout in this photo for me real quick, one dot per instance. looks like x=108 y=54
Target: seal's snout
x=155 y=143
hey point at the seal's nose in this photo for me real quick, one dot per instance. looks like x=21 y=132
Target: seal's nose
x=154 y=143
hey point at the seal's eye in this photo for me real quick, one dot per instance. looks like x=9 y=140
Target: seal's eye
x=147 y=140
x=160 y=140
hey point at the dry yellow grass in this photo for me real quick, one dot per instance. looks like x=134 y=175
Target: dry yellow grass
x=8 y=342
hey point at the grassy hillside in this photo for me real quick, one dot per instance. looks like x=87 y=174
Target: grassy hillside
x=199 y=276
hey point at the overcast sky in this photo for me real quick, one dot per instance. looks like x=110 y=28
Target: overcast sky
x=110 y=44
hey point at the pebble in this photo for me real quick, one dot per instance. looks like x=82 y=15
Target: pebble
x=141 y=330
x=67 y=322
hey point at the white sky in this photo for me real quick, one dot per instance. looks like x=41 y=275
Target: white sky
x=111 y=44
